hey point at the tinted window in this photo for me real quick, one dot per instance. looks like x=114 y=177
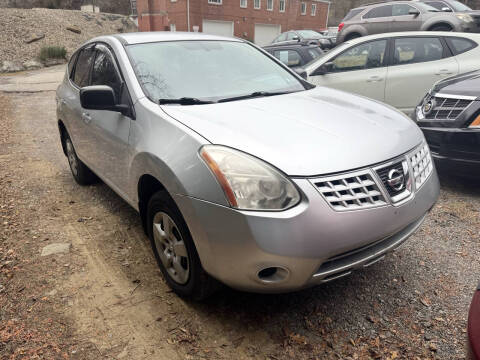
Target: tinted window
x=104 y=72
x=71 y=63
x=351 y=14
x=288 y=57
x=401 y=9
x=415 y=50
x=437 y=4
x=461 y=45
x=381 y=11
x=365 y=56
x=82 y=69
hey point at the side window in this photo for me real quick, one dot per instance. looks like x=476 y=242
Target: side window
x=460 y=45
x=104 y=72
x=71 y=64
x=288 y=57
x=401 y=9
x=282 y=37
x=291 y=35
x=315 y=52
x=378 y=12
x=364 y=56
x=352 y=13
x=416 y=50
x=82 y=69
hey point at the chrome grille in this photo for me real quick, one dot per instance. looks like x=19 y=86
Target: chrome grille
x=421 y=162
x=350 y=191
x=446 y=108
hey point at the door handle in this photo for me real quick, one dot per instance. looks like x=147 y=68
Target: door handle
x=86 y=117
x=374 y=79
x=444 y=72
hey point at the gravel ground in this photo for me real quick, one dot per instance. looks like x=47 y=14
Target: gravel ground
x=106 y=298
x=19 y=25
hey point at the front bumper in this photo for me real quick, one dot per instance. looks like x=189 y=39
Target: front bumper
x=310 y=243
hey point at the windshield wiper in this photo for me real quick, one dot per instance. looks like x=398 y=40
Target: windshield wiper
x=254 y=95
x=184 y=101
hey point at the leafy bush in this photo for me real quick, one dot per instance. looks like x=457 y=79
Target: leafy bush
x=52 y=52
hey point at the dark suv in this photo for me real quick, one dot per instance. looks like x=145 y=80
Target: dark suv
x=396 y=16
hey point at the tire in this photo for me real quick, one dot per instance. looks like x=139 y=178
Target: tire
x=175 y=251
x=441 y=27
x=80 y=172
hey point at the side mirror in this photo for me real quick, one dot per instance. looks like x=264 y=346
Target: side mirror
x=101 y=97
x=301 y=71
x=446 y=9
x=324 y=69
x=413 y=12
x=295 y=38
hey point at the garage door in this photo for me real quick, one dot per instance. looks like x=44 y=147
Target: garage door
x=214 y=27
x=265 y=33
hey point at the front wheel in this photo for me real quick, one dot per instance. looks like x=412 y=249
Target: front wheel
x=175 y=251
x=81 y=173
x=441 y=27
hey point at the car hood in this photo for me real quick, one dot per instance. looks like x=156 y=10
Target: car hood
x=464 y=84
x=319 y=131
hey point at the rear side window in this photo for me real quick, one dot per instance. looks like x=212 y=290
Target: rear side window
x=416 y=50
x=288 y=57
x=378 y=12
x=352 y=13
x=460 y=45
x=82 y=70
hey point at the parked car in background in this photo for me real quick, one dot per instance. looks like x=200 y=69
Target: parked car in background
x=192 y=130
x=449 y=6
x=449 y=116
x=296 y=55
x=307 y=37
x=396 y=68
x=396 y=16
x=474 y=327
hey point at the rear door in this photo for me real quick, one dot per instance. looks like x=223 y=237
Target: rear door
x=360 y=69
x=402 y=20
x=378 y=20
x=417 y=63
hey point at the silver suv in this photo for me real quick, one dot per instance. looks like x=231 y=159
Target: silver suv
x=242 y=171
x=397 y=16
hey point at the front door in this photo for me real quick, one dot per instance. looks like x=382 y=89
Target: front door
x=360 y=69
x=402 y=20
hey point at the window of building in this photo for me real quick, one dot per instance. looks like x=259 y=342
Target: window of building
x=173 y=27
x=304 y=8
x=256 y=4
x=281 y=6
x=314 y=9
x=270 y=5
x=243 y=3
x=216 y=2
x=173 y=0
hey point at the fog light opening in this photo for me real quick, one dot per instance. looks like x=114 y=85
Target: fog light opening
x=272 y=274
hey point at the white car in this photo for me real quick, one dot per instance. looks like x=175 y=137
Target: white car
x=396 y=68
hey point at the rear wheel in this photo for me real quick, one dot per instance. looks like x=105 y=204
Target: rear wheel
x=441 y=27
x=175 y=251
x=81 y=173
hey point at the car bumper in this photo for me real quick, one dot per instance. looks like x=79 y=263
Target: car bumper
x=309 y=244
x=455 y=150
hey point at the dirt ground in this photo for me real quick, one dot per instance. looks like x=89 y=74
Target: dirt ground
x=105 y=298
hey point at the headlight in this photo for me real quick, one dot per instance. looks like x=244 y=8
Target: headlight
x=475 y=123
x=249 y=183
x=464 y=17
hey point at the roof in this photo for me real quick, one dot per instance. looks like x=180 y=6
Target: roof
x=147 y=37
x=475 y=36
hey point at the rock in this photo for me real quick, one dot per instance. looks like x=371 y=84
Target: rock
x=432 y=347
x=34 y=38
x=10 y=66
x=53 y=62
x=56 y=248
x=32 y=65
x=74 y=29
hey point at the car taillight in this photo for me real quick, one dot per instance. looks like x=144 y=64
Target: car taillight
x=340 y=26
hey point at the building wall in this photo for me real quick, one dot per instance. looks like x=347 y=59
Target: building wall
x=244 y=18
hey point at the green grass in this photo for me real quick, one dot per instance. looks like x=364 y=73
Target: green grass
x=52 y=52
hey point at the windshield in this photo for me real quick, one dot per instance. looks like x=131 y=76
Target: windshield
x=207 y=70
x=309 y=34
x=458 y=6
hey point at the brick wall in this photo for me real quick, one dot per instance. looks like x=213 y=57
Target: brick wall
x=244 y=19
